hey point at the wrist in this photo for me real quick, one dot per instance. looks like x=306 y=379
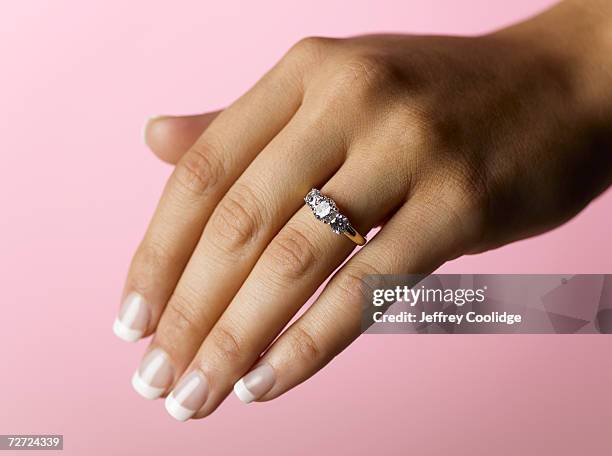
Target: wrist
x=575 y=36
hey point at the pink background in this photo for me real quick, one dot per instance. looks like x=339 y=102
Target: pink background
x=77 y=187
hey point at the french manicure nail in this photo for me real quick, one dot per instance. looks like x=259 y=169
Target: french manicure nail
x=255 y=384
x=133 y=318
x=154 y=375
x=188 y=397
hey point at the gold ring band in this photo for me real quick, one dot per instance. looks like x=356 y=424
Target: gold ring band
x=354 y=236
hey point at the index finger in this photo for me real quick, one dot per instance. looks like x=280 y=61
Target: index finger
x=200 y=179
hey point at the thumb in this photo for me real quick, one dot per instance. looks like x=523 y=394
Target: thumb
x=169 y=137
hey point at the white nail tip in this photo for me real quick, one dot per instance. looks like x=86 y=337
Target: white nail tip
x=125 y=333
x=243 y=392
x=176 y=410
x=144 y=389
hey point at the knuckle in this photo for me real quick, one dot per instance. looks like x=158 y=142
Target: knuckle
x=421 y=116
x=353 y=286
x=355 y=82
x=302 y=58
x=472 y=211
x=363 y=76
x=467 y=187
x=408 y=129
x=311 y=47
x=181 y=316
x=238 y=218
x=200 y=170
x=292 y=253
x=226 y=344
x=461 y=203
x=446 y=129
x=304 y=344
x=150 y=259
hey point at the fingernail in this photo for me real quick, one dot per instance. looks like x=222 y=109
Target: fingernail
x=188 y=397
x=154 y=375
x=133 y=318
x=255 y=384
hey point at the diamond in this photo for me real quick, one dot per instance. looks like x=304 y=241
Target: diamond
x=339 y=224
x=313 y=197
x=322 y=209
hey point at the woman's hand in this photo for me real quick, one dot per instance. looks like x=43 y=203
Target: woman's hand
x=454 y=145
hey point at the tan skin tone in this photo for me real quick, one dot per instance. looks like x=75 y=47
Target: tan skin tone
x=454 y=145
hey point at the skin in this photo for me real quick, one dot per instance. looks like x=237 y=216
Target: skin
x=453 y=145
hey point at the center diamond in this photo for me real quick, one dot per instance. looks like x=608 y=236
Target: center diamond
x=322 y=209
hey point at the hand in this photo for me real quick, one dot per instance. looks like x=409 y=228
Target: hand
x=454 y=145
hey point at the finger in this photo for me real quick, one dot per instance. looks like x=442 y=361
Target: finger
x=259 y=203
x=169 y=137
x=418 y=238
x=291 y=268
x=196 y=185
